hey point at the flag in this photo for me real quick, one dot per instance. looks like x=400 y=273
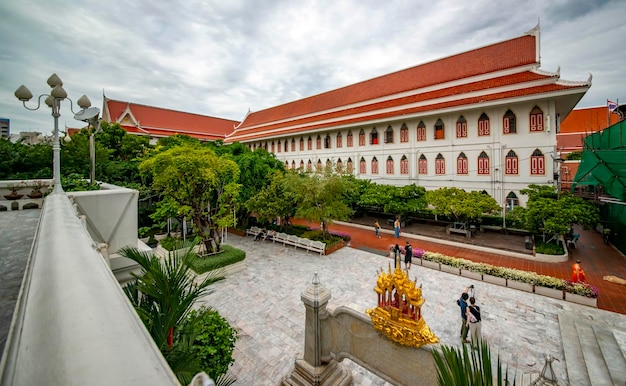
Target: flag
x=611 y=105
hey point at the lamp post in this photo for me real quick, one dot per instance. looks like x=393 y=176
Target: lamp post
x=52 y=100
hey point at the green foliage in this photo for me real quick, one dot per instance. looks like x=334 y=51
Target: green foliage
x=574 y=156
x=76 y=183
x=549 y=248
x=461 y=205
x=400 y=200
x=214 y=341
x=273 y=200
x=227 y=256
x=467 y=367
x=163 y=296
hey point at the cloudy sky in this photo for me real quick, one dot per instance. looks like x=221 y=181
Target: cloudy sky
x=222 y=58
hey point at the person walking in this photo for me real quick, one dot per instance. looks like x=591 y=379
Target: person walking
x=473 y=322
x=408 y=255
x=377 y=228
x=578 y=275
x=396 y=256
x=396 y=227
x=462 y=302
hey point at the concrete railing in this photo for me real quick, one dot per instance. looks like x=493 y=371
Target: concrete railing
x=73 y=325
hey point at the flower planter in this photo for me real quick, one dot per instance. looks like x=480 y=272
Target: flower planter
x=494 y=280
x=587 y=301
x=13 y=196
x=430 y=264
x=518 y=285
x=472 y=274
x=549 y=292
x=449 y=269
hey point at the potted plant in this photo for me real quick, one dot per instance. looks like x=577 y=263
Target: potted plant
x=15 y=194
x=36 y=192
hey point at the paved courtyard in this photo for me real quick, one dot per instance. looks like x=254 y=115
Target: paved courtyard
x=263 y=303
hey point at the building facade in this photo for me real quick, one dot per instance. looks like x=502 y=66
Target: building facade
x=484 y=120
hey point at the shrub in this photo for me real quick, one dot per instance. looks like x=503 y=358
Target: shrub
x=214 y=342
x=549 y=248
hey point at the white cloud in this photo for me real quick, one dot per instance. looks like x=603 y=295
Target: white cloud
x=221 y=58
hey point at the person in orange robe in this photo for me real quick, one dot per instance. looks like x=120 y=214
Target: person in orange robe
x=578 y=275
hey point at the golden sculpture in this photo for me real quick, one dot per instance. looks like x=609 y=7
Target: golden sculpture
x=398 y=315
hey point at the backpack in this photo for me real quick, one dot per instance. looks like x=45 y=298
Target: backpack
x=474 y=310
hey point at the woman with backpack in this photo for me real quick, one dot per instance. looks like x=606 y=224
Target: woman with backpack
x=473 y=321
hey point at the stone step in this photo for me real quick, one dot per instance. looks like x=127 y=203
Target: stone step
x=612 y=354
x=574 y=359
x=527 y=379
x=594 y=361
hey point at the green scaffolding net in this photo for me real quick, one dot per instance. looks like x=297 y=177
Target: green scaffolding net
x=604 y=161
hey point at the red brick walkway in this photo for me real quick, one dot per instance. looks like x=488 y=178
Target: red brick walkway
x=597 y=259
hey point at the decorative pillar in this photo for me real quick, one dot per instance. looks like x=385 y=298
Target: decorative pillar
x=312 y=370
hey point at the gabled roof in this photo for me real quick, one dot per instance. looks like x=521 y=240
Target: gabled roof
x=494 y=73
x=588 y=120
x=159 y=122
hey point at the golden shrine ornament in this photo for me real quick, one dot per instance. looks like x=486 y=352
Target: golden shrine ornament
x=399 y=312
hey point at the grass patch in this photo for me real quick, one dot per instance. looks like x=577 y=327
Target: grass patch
x=227 y=256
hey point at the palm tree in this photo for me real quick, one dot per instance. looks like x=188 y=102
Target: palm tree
x=468 y=367
x=163 y=296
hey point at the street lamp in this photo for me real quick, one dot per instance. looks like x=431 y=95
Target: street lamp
x=90 y=115
x=53 y=100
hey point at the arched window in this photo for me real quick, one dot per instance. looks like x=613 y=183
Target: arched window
x=404 y=164
x=440 y=164
x=309 y=144
x=349 y=166
x=279 y=146
x=327 y=142
x=318 y=142
x=273 y=147
x=293 y=164
x=265 y=146
x=301 y=165
x=318 y=167
x=404 y=133
x=374 y=137
x=511 y=201
x=461 y=127
x=349 y=139
x=301 y=144
x=483 y=163
x=461 y=164
x=362 y=166
x=286 y=146
x=483 y=125
x=329 y=163
x=508 y=123
x=537 y=163
x=362 y=137
x=421 y=131
x=374 y=166
x=286 y=164
x=389 y=134
x=511 y=163
x=309 y=166
x=536 y=119
x=339 y=166
x=422 y=165
x=339 y=140
x=439 y=129
x=389 y=165
x=293 y=144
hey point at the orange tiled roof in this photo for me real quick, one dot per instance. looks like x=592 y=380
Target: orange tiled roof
x=588 y=120
x=160 y=122
x=495 y=72
x=569 y=142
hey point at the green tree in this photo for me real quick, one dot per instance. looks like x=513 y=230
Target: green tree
x=163 y=296
x=320 y=197
x=203 y=185
x=273 y=200
x=398 y=200
x=461 y=205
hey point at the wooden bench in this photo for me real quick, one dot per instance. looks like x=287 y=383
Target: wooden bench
x=491 y=228
x=318 y=246
x=254 y=231
x=280 y=237
x=451 y=229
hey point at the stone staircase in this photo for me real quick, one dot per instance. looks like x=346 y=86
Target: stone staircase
x=594 y=352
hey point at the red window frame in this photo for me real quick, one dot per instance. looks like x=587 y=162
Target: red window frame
x=422 y=166
x=389 y=165
x=404 y=165
x=440 y=166
x=461 y=165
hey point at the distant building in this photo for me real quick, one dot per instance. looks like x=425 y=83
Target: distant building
x=156 y=122
x=482 y=120
x=5 y=128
